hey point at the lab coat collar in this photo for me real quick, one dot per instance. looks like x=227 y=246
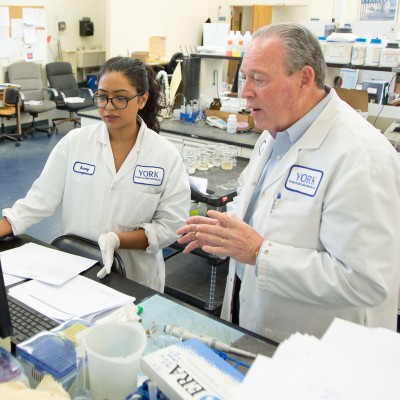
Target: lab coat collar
x=312 y=139
x=126 y=167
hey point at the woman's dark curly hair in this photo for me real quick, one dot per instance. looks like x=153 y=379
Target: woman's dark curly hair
x=143 y=78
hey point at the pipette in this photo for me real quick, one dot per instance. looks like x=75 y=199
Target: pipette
x=208 y=340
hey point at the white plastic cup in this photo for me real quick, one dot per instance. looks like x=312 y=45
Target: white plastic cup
x=114 y=351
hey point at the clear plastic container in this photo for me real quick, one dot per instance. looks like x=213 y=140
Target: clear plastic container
x=359 y=51
x=229 y=44
x=322 y=43
x=339 y=46
x=390 y=56
x=246 y=41
x=373 y=54
x=231 y=124
x=237 y=45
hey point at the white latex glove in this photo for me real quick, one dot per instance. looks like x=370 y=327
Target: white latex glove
x=108 y=242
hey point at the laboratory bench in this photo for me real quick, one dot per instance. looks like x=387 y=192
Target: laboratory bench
x=183 y=134
x=164 y=309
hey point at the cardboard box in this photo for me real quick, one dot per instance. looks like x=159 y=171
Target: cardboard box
x=157 y=47
x=141 y=55
x=224 y=115
x=358 y=99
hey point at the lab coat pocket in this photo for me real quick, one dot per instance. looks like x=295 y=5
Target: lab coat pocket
x=295 y=223
x=136 y=208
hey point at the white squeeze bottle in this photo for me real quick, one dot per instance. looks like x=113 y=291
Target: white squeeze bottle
x=246 y=41
x=231 y=124
x=229 y=43
x=237 y=45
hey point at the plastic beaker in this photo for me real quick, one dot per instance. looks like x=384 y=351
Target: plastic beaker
x=113 y=352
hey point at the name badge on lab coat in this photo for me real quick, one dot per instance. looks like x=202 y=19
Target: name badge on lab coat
x=83 y=168
x=145 y=175
x=303 y=180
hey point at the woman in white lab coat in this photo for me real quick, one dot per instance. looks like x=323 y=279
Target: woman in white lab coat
x=325 y=227
x=118 y=181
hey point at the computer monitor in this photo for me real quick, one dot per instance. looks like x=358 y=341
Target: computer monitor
x=5 y=319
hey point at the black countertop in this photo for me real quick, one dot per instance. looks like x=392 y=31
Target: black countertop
x=195 y=131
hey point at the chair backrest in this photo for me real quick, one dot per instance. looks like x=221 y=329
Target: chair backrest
x=87 y=248
x=61 y=78
x=9 y=97
x=28 y=76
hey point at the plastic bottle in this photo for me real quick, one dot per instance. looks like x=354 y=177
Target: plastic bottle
x=390 y=56
x=237 y=45
x=229 y=44
x=374 y=51
x=246 y=41
x=359 y=51
x=322 y=43
x=339 y=46
x=231 y=124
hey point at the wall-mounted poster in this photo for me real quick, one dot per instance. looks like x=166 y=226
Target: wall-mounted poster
x=378 y=10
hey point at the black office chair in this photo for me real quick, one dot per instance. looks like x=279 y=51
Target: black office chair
x=10 y=109
x=80 y=246
x=28 y=75
x=63 y=85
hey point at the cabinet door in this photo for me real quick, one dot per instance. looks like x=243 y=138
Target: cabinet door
x=262 y=15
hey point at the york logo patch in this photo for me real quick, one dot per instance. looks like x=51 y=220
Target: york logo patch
x=83 y=168
x=145 y=175
x=304 y=180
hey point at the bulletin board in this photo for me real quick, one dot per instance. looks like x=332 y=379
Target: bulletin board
x=27 y=39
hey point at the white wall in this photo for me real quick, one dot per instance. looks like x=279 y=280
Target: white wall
x=130 y=24
x=71 y=12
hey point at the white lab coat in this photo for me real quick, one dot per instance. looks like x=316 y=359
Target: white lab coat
x=332 y=243
x=150 y=191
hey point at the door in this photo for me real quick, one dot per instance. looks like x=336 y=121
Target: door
x=262 y=15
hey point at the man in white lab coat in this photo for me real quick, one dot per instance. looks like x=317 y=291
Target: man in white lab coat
x=314 y=231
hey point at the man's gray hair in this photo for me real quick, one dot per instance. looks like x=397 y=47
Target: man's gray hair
x=301 y=47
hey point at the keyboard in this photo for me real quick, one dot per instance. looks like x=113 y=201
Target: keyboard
x=26 y=322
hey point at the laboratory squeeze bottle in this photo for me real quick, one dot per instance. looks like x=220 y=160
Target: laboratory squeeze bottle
x=229 y=44
x=246 y=41
x=237 y=45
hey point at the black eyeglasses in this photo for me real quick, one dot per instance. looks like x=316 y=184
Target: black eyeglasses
x=119 y=102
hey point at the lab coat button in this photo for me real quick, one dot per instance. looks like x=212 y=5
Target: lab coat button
x=254 y=183
x=278 y=157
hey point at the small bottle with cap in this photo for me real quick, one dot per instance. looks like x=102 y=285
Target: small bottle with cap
x=231 y=124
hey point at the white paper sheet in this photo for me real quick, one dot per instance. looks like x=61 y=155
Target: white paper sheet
x=79 y=297
x=350 y=362
x=199 y=184
x=74 y=99
x=43 y=263
x=11 y=279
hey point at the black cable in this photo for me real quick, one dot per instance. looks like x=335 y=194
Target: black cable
x=383 y=105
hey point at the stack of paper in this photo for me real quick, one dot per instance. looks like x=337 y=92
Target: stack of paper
x=57 y=290
x=43 y=263
x=79 y=297
x=349 y=362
